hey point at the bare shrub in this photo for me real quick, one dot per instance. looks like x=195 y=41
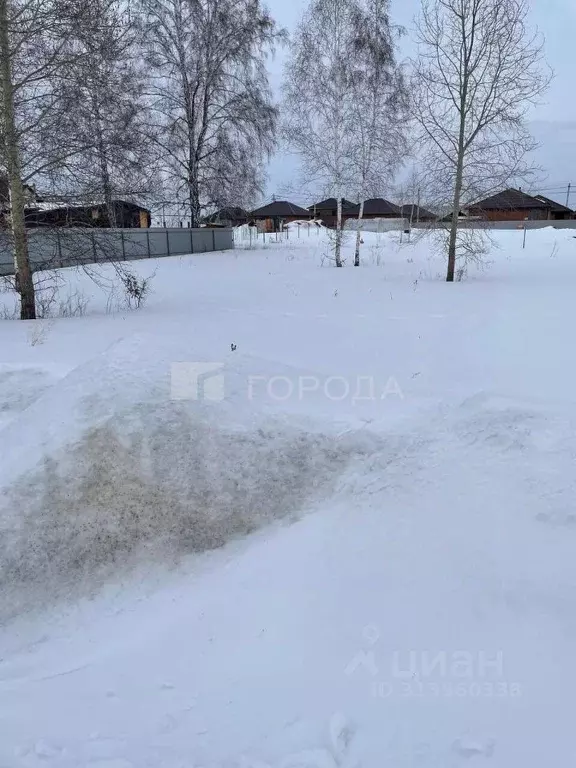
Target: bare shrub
x=74 y=305
x=136 y=289
x=10 y=312
x=38 y=332
x=46 y=298
x=124 y=288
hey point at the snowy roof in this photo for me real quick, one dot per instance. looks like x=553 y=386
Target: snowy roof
x=54 y=205
x=553 y=205
x=281 y=208
x=377 y=206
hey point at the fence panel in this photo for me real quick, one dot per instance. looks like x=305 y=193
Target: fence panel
x=71 y=247
x=179 y=241
x=203 y=239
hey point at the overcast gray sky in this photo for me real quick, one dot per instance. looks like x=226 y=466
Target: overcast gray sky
x=553 y=123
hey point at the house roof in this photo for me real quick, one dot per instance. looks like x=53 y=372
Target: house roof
x=280 y=208
x=76 y=205
x=60 y=208
x=330 y=204
x=416 y=210
x=553 y=205
x=232 y=213
x=509 y=200
x=377 y=206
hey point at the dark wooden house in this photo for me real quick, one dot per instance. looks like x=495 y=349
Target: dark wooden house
x=273 y=217
x=558 y=212
x=125 y=215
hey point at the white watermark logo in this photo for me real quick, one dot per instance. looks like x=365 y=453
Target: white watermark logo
x=205 y=381
x=197 y=381
x=445 y=673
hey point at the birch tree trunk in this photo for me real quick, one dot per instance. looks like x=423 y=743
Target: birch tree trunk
x=338 y=246
x=359 y=234
x=457 y=188
x=23 y=271
x=105 y=175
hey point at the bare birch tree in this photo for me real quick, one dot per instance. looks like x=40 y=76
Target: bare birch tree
x=34 y=62
x=319 y=107
x=214 y=116
x=107 y=112
x=479 y=71
x=380 y=104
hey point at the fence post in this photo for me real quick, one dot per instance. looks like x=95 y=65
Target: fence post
x=167 y=242
x=213 y=239
x=94 y=247
x=191 y=241
x=123 y=247
x=148 y=243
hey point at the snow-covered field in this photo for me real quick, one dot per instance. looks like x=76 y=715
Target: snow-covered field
x=286 y=515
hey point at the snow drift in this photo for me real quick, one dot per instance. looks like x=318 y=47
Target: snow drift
x=132 y=474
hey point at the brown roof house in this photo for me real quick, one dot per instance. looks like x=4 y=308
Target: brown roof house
x=327 y=211
x=515 y=205
x=273 y=217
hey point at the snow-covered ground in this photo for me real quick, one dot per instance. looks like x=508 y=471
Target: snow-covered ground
x=289 y=515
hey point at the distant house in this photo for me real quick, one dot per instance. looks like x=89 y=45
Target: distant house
x=60 y=214
x=377 y=208
x=327 y=211
x=558 y=211
x=515 y=205
x=273 y=217
x=39 y=212
x=417 y=213
x=232 y=216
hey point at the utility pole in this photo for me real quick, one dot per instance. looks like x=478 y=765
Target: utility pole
x=568 y=195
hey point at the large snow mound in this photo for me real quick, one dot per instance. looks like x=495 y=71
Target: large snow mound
x=130 y=472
